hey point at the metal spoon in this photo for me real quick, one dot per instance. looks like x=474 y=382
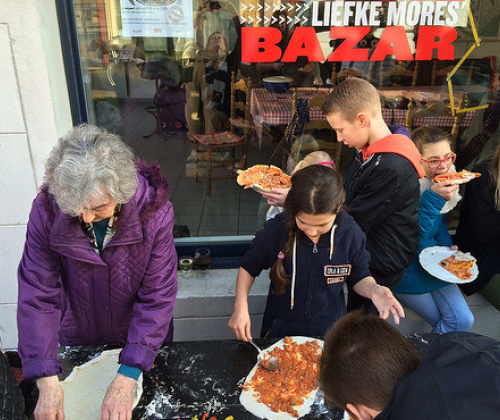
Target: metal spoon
x=267 y=363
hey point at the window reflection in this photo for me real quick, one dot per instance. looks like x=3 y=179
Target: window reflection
x=158 y=83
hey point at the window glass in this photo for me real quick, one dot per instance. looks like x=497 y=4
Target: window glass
x=158 y=72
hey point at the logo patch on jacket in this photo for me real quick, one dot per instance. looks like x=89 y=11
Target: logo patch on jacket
x=336 y=273
x=337 y=270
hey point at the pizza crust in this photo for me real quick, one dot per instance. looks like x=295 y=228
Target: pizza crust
x=85 y=387
x=456 y=178
x=263 y=411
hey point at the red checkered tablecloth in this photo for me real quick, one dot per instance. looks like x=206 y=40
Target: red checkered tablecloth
x=394 y=116
x=277 y=109
x=398 y=117
x=444 y=121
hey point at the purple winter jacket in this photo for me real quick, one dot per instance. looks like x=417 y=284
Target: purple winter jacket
x=70 y=295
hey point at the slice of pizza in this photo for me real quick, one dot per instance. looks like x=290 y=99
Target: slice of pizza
x=273 y=178
x=248 y=177
x=456 y=177
x=459 y=264
x=264 y=178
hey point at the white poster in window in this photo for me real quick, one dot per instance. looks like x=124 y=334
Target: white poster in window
x=157 y=18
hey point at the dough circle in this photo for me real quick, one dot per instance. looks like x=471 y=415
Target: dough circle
x=85 y=387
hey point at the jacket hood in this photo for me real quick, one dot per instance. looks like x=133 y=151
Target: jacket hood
x=399 y=144
x=150 y=197
x=152 y=190
x=459 y=379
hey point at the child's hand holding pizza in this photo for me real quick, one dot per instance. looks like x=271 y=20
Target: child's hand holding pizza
x=276 y=197
x=445 y=190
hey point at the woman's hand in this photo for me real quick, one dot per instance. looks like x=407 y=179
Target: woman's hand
x=276 y=197
x=386 y=303
x=240 y=324
x=50 y=404
x=445 y=190
x=117 y=404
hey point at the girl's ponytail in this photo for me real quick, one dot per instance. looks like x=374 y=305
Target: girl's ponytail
x=279 y=277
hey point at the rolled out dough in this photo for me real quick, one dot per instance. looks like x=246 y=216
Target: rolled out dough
x=85 y=387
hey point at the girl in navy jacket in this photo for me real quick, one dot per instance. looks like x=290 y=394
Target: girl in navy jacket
x=313 y=248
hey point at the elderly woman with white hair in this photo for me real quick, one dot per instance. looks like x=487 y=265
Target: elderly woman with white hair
x=99 y=266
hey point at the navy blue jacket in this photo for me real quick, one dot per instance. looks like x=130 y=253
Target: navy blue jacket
x=319 y=298
x=458 y=379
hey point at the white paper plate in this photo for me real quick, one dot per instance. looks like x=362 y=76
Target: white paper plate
x=261 y=190
x=430 y=258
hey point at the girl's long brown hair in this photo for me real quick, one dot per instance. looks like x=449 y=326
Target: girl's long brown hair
x=315 y=190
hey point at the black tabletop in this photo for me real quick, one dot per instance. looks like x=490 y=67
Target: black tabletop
x=190 y=379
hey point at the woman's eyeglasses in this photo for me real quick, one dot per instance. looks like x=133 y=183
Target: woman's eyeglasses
x=435 y=163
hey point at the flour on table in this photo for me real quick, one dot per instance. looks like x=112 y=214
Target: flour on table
x=85 y=387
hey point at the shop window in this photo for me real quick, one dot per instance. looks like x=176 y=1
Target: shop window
x=157 y=72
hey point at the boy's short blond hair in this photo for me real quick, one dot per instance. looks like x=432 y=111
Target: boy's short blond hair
x=352 y=96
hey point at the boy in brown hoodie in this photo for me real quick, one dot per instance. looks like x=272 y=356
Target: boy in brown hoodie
x=382 y=188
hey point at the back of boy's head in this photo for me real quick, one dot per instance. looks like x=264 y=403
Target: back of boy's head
x=316 y=189
x=315 y=158
x=363 y=359
x=428 y=134
x=352 y=96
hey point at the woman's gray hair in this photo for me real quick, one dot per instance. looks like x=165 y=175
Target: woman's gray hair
x=88 y=163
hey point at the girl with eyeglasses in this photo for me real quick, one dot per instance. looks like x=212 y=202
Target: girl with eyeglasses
x=441 y=304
